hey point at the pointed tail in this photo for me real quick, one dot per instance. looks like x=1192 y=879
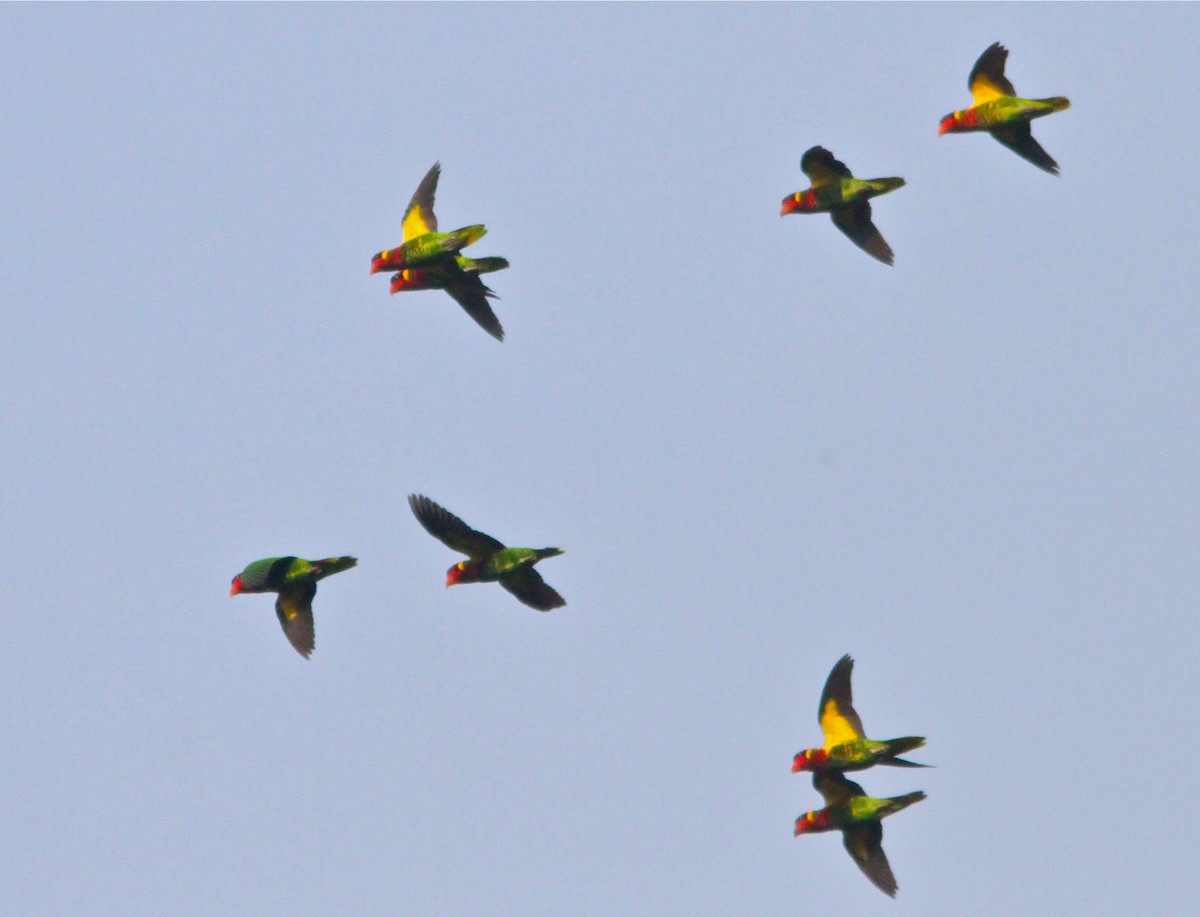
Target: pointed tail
x=482 y=265
x=461 y=238
x=332 y=565
x=896 y=803
x=543 y=553
x=884 y=185
x=899 y=747
x=1057 y=103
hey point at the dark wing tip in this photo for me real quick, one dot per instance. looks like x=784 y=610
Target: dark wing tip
x=821 y=157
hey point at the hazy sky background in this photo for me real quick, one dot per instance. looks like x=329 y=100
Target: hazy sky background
x=975 y=471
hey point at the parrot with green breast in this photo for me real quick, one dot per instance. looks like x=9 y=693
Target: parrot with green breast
x=998 y=110
x=488 y=560
x=422 y=244
x=295 y=579
x=459 y=278
x=431 y=260
x=858 y=816
x=837 y=192
x=846 y=748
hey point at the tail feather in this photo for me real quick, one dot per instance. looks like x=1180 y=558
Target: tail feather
x=1057 y=103
x=332 y=565
x=548 y=552
x=484 y=265
x=896 y=803
x=461 y=238
x=884 y=185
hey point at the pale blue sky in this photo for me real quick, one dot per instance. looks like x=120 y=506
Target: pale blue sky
x=975 y=471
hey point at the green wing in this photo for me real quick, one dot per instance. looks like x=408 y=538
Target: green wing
x=528 y=586
x=987 y=81
x=821 y=168
x=294 y=608
x=856 y=223
x=419 y=218
x=836 y=714
x=450 y=530
x=864 y=843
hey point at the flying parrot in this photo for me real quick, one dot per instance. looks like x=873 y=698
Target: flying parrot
x=846 y=748
x=488 y=561
x=423 y=244
x=849 y=810
x=295 y=579
x=1000 y=112
x=836 y=192
x=430 y=260
x=460 y=279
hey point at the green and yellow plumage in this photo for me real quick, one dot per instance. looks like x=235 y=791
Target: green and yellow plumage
x=845 y=198
x=421 y=243
x=846 y=748
x=998 y=110
x=858 y=816
x=295 y=580
x=489 y=560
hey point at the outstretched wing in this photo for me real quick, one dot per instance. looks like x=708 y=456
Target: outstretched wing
x=470 y=293
x=864 y=843
x=821 y=168
x=856 y=223
x=419 y=218
x=1019 y=138
x=528 y=586
x=835 y=787
x=450 y=530
x=294 y=608
x=987 y=81
x=838 y=719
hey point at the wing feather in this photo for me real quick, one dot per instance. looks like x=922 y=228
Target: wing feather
x=987 y=81
x=856 y=223
x=528 y=586
x=1019 y=138
x=419 y=218
x=470 y=292
x=821 y=168
x=450 y=530
x=838 y=719
x=294 y=609
x=864 y=843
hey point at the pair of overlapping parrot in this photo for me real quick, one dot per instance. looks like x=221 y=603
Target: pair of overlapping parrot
x=295 y=579
x=997 y=109
x=430 y=260
x=847 y=807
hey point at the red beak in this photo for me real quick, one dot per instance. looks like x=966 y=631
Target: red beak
x=237 y=586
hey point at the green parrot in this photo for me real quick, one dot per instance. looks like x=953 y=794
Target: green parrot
x=295 y=579
x=836 y=192
x=1000 y=112
x=459 y=278
x=846 y=748
x=488 y=561
x=849 y=810
x=422 y=244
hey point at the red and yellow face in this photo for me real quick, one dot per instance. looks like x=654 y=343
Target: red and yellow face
x=811 y=821
x=957 y=121
x=407 y=280
x=455 y=573
x=810 y=759
x=385 y=260
x=800 y=202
